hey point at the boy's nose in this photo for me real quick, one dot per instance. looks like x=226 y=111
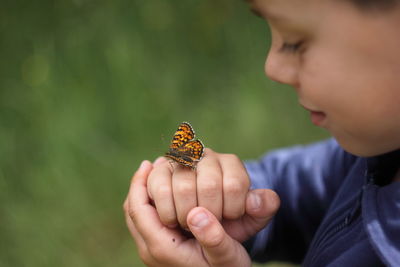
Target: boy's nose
x=281 y=68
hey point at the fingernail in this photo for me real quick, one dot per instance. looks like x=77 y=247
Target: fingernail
x=199 y=220
x=255 y=201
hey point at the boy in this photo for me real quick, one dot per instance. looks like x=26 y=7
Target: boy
x=338 y=200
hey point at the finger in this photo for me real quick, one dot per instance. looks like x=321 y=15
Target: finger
x=261 y=206
x=218 y=247
x=184 y=191
x=159 y=185
x=159 y=160
x=235 y=185
x=140 y=244
x=143 y=215
x=209 y=184
x=159 y=240
x=156 y=163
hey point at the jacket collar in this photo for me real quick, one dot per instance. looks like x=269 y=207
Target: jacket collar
x=381 y=169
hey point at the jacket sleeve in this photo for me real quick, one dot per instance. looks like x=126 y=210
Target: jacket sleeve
x=306 y=179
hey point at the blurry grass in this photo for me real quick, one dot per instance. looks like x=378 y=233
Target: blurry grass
x=91 y=88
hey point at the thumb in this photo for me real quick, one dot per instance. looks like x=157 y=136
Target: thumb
x=261 y=206
x=218 y=247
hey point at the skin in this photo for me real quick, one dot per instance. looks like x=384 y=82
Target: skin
x=344 y=66
x=216 y=243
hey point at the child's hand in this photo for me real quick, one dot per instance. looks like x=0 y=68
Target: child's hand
x=214 y=244
x=219 y=183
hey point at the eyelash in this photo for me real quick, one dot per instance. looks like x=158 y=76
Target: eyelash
x=291 y=47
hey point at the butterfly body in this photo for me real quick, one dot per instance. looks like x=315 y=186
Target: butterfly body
x=183 y=149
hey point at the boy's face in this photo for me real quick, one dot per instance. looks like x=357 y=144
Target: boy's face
x=344 y=65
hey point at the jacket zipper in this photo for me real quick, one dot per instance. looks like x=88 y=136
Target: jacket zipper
x=351 y=216
x=354 y=212
x=348 y=220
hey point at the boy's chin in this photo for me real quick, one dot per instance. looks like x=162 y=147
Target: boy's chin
x=366 y=149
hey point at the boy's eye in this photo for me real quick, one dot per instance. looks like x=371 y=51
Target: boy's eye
x=290 y=47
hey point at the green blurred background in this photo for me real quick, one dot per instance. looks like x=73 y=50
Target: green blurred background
x=89 y=89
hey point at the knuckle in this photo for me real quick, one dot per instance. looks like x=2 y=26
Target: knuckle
x=232 y=157
x=184 y=188
x=210 y=187
x=163 y=191
x=234 y=187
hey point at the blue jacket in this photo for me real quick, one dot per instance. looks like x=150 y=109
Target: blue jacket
x=336 y=209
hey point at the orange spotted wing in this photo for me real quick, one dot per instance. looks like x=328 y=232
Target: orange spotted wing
x=183 y=149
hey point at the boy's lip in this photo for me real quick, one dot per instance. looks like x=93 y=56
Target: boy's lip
x=317 y=117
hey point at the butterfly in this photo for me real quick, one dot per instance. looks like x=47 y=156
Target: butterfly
x=183 y=149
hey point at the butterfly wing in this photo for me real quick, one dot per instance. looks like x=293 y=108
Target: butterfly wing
x=184 y=134
x=183 y=149
x=193 y=149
